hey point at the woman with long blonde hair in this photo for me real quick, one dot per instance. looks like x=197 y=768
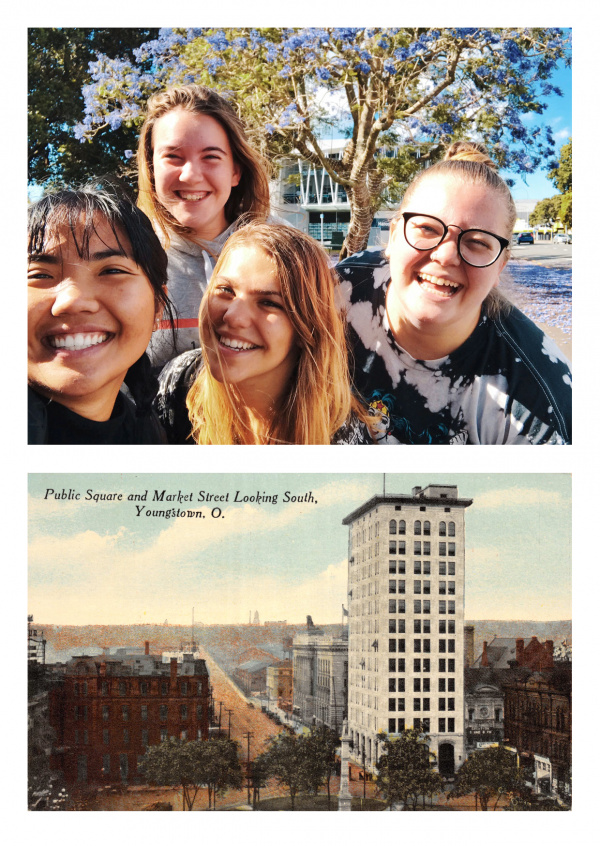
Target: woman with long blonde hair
x=273 y=365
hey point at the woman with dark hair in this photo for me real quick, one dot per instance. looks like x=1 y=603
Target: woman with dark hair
x=197 y=176
x=428 y=329
x=96 y=287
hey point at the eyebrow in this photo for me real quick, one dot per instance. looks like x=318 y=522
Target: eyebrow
x=100 y=255
x=165 y=148
x=260 y=292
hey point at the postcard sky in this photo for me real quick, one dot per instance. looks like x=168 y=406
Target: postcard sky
x=100 y=563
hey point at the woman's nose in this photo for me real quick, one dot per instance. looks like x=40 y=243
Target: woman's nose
x=191 y=171
x=238 y=313
x=74 y=296
x=446 y=251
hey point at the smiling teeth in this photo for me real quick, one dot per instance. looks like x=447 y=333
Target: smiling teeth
x=435 y=280
x=78 y=341
x=237 y=345
x=199 y=196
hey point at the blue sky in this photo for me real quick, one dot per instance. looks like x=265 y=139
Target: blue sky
x=97 y=562
x=558 y=115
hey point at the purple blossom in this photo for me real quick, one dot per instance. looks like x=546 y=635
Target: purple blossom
x=129 y=154
x=213 y=63
x=323 y=74
x=362 y=67
x=218 y=41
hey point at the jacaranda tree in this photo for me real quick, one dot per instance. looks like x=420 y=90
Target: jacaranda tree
x=411 y=89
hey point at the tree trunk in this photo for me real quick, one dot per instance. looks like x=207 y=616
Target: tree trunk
x=361 y=218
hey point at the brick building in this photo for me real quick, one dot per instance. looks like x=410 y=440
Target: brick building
x=280 y=685
x=507 y=652
x=107 y=712
x=537 y=720
x=406 y=576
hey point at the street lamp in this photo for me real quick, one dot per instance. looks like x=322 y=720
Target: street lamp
x=229 y=712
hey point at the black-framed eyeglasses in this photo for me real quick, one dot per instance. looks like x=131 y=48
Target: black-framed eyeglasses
x=475 y=246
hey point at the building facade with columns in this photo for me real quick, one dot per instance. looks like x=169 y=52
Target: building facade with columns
x=320 y=672
x=406 y=577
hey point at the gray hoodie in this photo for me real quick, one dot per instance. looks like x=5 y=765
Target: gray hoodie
x=189 y=271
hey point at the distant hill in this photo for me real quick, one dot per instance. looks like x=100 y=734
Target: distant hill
x=226 y=643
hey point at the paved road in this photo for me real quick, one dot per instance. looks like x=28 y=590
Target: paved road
x=244 y=718
x=545 y=252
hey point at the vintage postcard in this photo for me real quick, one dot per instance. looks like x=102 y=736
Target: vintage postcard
x=337 y=621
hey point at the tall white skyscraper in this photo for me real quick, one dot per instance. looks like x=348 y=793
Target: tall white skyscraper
x=406 y=580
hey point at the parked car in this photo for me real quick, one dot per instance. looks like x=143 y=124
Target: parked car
x=561 y=238
x=525 y=238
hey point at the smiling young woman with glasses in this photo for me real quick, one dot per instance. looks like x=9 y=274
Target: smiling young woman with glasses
x=455 y=362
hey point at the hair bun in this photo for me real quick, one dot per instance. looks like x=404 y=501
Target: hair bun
x=469 y=151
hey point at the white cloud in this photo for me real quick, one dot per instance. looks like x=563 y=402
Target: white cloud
x=562 y=134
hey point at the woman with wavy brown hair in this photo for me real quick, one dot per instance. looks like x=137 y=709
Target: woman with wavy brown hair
x=197 y=175
x=273 y=366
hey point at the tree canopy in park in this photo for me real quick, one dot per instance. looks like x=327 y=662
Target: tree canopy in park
x=490 y=774
x=413 y=90
x=193 y=764
x=405 y=770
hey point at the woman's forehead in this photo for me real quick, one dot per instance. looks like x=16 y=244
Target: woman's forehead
x=88 y=234
x=458 y=200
